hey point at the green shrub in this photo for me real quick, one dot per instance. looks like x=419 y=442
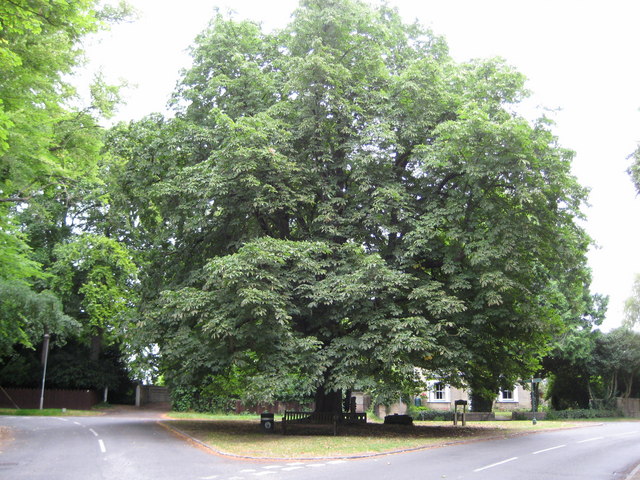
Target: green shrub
x=432 y=415
x=581 y=413
x=189 y=398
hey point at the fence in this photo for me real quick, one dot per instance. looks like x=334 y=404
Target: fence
x=630 y=407
x=30 y=398
x=277 y=407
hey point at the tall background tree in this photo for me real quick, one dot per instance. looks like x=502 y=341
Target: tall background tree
x=49 y=160
x=338 y=203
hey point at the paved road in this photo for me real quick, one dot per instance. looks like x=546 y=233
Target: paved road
x=88 y=448
x=118 y=447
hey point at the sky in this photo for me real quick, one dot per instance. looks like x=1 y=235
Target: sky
x=580 y=58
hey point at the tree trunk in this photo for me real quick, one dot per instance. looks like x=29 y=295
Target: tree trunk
x=328 y=402
x=96 y=345
x=629 y=385
x=481 y=403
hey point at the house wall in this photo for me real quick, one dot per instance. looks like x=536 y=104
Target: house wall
x=520 y=399
x=451 y=395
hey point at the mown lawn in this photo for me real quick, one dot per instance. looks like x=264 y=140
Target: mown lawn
x=243 y=437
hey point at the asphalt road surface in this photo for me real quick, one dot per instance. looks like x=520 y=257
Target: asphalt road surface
x=87 y=448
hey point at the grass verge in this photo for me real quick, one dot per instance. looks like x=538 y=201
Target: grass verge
x=242 y=437
x=48 y=412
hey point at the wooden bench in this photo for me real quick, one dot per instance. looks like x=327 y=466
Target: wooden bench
x=321 y=418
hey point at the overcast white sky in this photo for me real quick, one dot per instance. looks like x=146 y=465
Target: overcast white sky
x=580 y=57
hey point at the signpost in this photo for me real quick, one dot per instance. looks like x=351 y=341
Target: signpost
x=45 y=348
x=533 y=398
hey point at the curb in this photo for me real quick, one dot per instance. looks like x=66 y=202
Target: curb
x=635 y=474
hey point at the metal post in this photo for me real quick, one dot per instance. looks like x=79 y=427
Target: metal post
x=533 y=404
x=534 y=381
x=44 y=371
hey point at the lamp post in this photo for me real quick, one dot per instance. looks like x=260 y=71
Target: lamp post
x=44 y=371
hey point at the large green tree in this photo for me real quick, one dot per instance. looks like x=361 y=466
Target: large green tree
x=340 y=202
x=49 y=151
x=38 y=47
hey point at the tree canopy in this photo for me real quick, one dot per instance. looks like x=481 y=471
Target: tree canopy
x=338 y=203
x=50 y=162
x=38 y=47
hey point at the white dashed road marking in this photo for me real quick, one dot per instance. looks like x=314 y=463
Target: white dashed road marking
x=548 y=449
x=274 y=469
x=103 y=449
x=591 y=439
x=496 y=464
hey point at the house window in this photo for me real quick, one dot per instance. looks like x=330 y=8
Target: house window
x=438 y=391
x=508 y=395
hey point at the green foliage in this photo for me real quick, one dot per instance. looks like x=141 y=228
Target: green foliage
x=220 y=393
x=423 y=414
x=340 y=202
x=95 y=275
x=69 y=367
x=25 y=316
x=45 y=145
x=616 y=362
x=50 y=190
x=591 y=368
x=39 y=45
x=16 y=262
x=581 y=413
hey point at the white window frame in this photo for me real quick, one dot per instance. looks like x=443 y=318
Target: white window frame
x=514 y=396
x=432 y=394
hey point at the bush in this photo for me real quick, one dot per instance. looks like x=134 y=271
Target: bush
x=581 y=413
x=432 y=415
x=189 y=398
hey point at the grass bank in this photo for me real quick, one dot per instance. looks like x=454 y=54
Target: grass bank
x=239 y=435
x=48 y=412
